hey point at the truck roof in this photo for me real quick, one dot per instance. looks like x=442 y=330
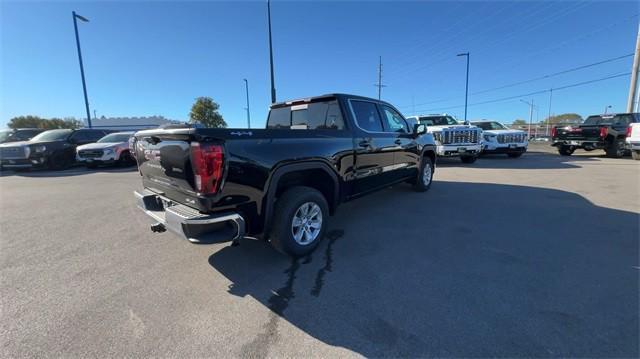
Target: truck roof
x=325 y=96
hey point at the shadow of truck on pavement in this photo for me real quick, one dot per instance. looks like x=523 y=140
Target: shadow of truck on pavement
x=467 y=269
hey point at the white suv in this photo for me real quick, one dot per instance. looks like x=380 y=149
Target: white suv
x=498 y=138
x=452 y=138
x=110 y=149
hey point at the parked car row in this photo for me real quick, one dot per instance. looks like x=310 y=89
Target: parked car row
x=61 y=148
x=468 y=141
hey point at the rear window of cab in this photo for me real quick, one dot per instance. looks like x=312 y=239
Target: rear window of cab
x=323 y=115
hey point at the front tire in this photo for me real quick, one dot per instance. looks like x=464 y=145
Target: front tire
x=425 y=175
x=300 y=221
x=468 y=159
x=615 y=148
x=565 y=150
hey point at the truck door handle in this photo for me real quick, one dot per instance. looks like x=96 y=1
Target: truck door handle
x=398 y=142
x=364 y=143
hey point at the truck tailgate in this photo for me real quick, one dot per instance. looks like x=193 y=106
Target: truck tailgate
x=164 y=161
x=579 y=133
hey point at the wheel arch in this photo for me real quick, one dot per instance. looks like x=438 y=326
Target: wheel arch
x=316 y=174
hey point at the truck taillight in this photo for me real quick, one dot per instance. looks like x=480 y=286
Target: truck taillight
x=554 y=132
x=629 y=130
x=207 y=161
x=603 y=132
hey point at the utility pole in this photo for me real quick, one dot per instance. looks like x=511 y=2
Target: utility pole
x=246 y=84
x=530 y=114
x=94 y=113
x=466 y=89
x=546 y=131
x=84 y=84
x=380 y=85
x=633 y=87
x=273 y=86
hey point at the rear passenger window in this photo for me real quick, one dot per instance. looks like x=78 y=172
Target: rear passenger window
x=334 y=117
x=311 y=116
x=367 y=116
x=88 y=135
x=279 y=118
x=621 y=120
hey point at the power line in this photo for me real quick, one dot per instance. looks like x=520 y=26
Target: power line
x=563 y=44
x=555 y=74
x=529 y=54
x=533 y=93
x=529 y=80
x=443 y=54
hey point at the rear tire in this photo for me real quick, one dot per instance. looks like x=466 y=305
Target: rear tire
x=565 y=150
x=635 y=155
x=126 y=159
x=515 y=154
x=425 y=175
x=615 y=148
x=468 y=159
x=294 y=231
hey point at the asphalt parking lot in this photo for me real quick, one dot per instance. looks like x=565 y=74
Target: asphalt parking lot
x=536 y=256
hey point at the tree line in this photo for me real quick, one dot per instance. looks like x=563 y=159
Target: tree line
x=563 y=119
x=30 y=121
x=204 y=111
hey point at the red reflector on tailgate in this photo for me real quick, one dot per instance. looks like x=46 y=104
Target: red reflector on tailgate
x=207 y=160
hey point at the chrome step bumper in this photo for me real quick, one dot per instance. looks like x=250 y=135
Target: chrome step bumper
x=187 y=222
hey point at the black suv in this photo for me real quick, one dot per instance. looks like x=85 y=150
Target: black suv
x=55 y=149
x=18 y=134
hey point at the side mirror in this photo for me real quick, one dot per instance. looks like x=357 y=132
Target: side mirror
x=419 y=129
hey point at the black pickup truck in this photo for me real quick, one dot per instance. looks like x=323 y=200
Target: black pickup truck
x=280 y=183
x=607 y=132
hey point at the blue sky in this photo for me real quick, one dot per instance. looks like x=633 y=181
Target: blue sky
x=155 y=58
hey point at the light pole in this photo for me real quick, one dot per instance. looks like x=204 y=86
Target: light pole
x=273 y=86
x=84 y=83
x=546 y=132
x=606 y=108
x=466 y=91
x=530 y=114
x=246 y=85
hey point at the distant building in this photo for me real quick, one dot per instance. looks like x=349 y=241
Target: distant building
x=130 y=123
